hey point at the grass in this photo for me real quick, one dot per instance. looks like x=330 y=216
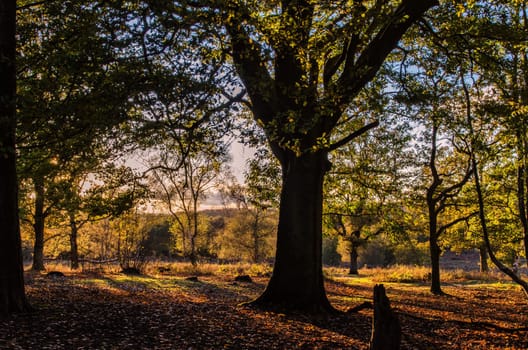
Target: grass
x=208 y=269
x=397 y=274
x=420 y=275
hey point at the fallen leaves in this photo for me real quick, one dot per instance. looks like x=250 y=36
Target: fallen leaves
x=168 y=312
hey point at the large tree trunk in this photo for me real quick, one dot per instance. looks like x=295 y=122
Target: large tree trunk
x=12 y=293
x=286 y=103
x=38 y=226
x=297 y=279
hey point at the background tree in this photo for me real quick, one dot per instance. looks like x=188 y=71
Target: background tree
x=431 y=86
x=476 y=146
x=111 y=191
x=476 y=38
x=71 y=94
x=366 y=182
x=505 y=67
x=251 y=229
x=182 y=185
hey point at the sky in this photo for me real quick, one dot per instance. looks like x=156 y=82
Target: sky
x=239 y=156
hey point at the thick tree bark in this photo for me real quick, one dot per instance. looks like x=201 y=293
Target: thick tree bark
x=12 y=293
x=38 y=226
x=297 y=279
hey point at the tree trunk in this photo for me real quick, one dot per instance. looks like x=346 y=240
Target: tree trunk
x=256 y=238
x=434 y=249
x=38 y=226
x=353 y=260
x=74 y=251
x=485 y=232
x=354 y=243
x=435 y=266
x=297 y=280
x=480 y=198
x=522 y=198
x=432 y=201
x=194 y=234
x=12 y=293
x=483 y=259
x=522 y=154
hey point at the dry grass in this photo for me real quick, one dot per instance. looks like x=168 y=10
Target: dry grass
x=208 y=269
x=393 y=274
x=418 y=274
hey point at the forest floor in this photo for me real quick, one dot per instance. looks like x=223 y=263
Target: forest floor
x=168 y=311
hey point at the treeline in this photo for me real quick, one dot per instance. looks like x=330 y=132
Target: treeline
x=136 y=238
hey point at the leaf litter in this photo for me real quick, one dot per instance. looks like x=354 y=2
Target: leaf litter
x=168 y=312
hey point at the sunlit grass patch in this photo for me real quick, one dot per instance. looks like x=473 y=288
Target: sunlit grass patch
x=208 y=269
x=349 y=300
x=490 y=284
x=416 y=275
x=397 y=274
x=94 y=281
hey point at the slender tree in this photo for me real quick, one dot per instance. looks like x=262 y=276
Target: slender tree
x=475 y=144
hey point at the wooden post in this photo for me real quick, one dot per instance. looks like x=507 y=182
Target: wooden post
x=386 y=330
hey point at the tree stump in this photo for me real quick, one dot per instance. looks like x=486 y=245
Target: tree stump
x=55 y=274
x=134 y=271
x=243 y=278
x=386 y=330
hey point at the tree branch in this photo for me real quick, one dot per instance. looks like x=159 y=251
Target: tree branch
x=32 y=4
x=252 y=70
x=353 y=135
x=357 y=74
